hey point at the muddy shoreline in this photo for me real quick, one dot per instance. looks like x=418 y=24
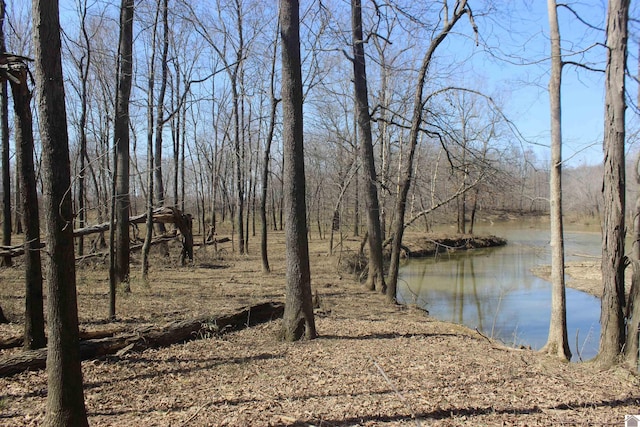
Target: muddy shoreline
x=431 y=244
x=583 y=276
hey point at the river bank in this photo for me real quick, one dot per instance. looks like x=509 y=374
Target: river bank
x=419 y=246
x=584 y=276
x=373 y=364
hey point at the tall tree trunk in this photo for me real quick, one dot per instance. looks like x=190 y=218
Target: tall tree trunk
x=557 y=342
x=298 y=321
x=375 y=279
x=6 y=172
x=65 y=398
x=633 y=302
x=34 y=316
x=159 y=185
x=84 y=68
x=612 y=334
x=265 y=161
x=397 y=230
x=18 y=212
x=121 y=143
x=146 y=247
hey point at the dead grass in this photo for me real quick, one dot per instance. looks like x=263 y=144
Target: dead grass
x=374 y=364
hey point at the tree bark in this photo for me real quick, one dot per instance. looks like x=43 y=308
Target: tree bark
x=3 y=318
x=121 y=141
x=84 y=66
x=159 y=184
x=298 y=322
x=633 y=319
x=150 y=154
x=6 y=170
x=557 y=342
x=65 y=397
x=266 y=159
x=34 y=310
x=612 y=333
x=375 y=278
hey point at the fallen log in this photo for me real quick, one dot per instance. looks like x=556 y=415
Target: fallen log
x=15 y=251
x=151 y=337
x=18 y=340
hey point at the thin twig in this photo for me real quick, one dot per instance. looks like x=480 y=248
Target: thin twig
x=193 y=417
x=577 y=347
x=395 y=389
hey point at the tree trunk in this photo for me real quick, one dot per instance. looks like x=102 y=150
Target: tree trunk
x=159 y=185
x=3 y=318
x=397 y=230
x=121 y=141
x=266 y=160
x=18 y=212
x=612 y=334
x=6 y=172
x=557 y=342
x=65 y=398
x=633 y=319
x=84 y=68
x=375 y=278
x=150 y=157
x=298 y=321
x=34 y=315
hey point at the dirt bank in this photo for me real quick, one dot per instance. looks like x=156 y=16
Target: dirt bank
x=418 y=246
x=584 y=276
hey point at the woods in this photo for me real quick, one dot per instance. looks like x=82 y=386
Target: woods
x=168 y=123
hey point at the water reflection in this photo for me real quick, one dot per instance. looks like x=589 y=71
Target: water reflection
x=494 y=290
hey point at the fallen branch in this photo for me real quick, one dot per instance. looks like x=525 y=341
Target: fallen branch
x=18 y=340
x=151 y=337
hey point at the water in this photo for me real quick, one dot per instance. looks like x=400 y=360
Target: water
x=494 y=290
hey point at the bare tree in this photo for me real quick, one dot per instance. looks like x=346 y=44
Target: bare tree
x=159 y=185
x=6 y=172
x=612 y=334
x=120 y=268
x=34 y=317
x=460 y=10
x=65 y=397
x=298 y=321
x=266 y=159
x=557 y=342
x=375 y=279
x=151 y=159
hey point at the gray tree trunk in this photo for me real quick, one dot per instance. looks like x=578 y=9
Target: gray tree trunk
x=146 y=247
x=557 y=342
x=65 y=397
x=397 y=229
x=121 y=143
x=612 y=334
x=265 y=161
x=375 y=279
x=159 y=184
x=34 y=310
x=6 y=170
x=298 y=321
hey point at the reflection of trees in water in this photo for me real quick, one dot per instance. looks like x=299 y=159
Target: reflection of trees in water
x=452 y=289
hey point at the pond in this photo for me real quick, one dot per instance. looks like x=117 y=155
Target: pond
x=494 y=290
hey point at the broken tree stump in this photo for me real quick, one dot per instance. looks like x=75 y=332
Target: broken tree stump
x=151 y=337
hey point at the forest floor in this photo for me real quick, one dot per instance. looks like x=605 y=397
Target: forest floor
x=373 y=364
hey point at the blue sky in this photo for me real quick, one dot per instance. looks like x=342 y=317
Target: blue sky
x=582 y=91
